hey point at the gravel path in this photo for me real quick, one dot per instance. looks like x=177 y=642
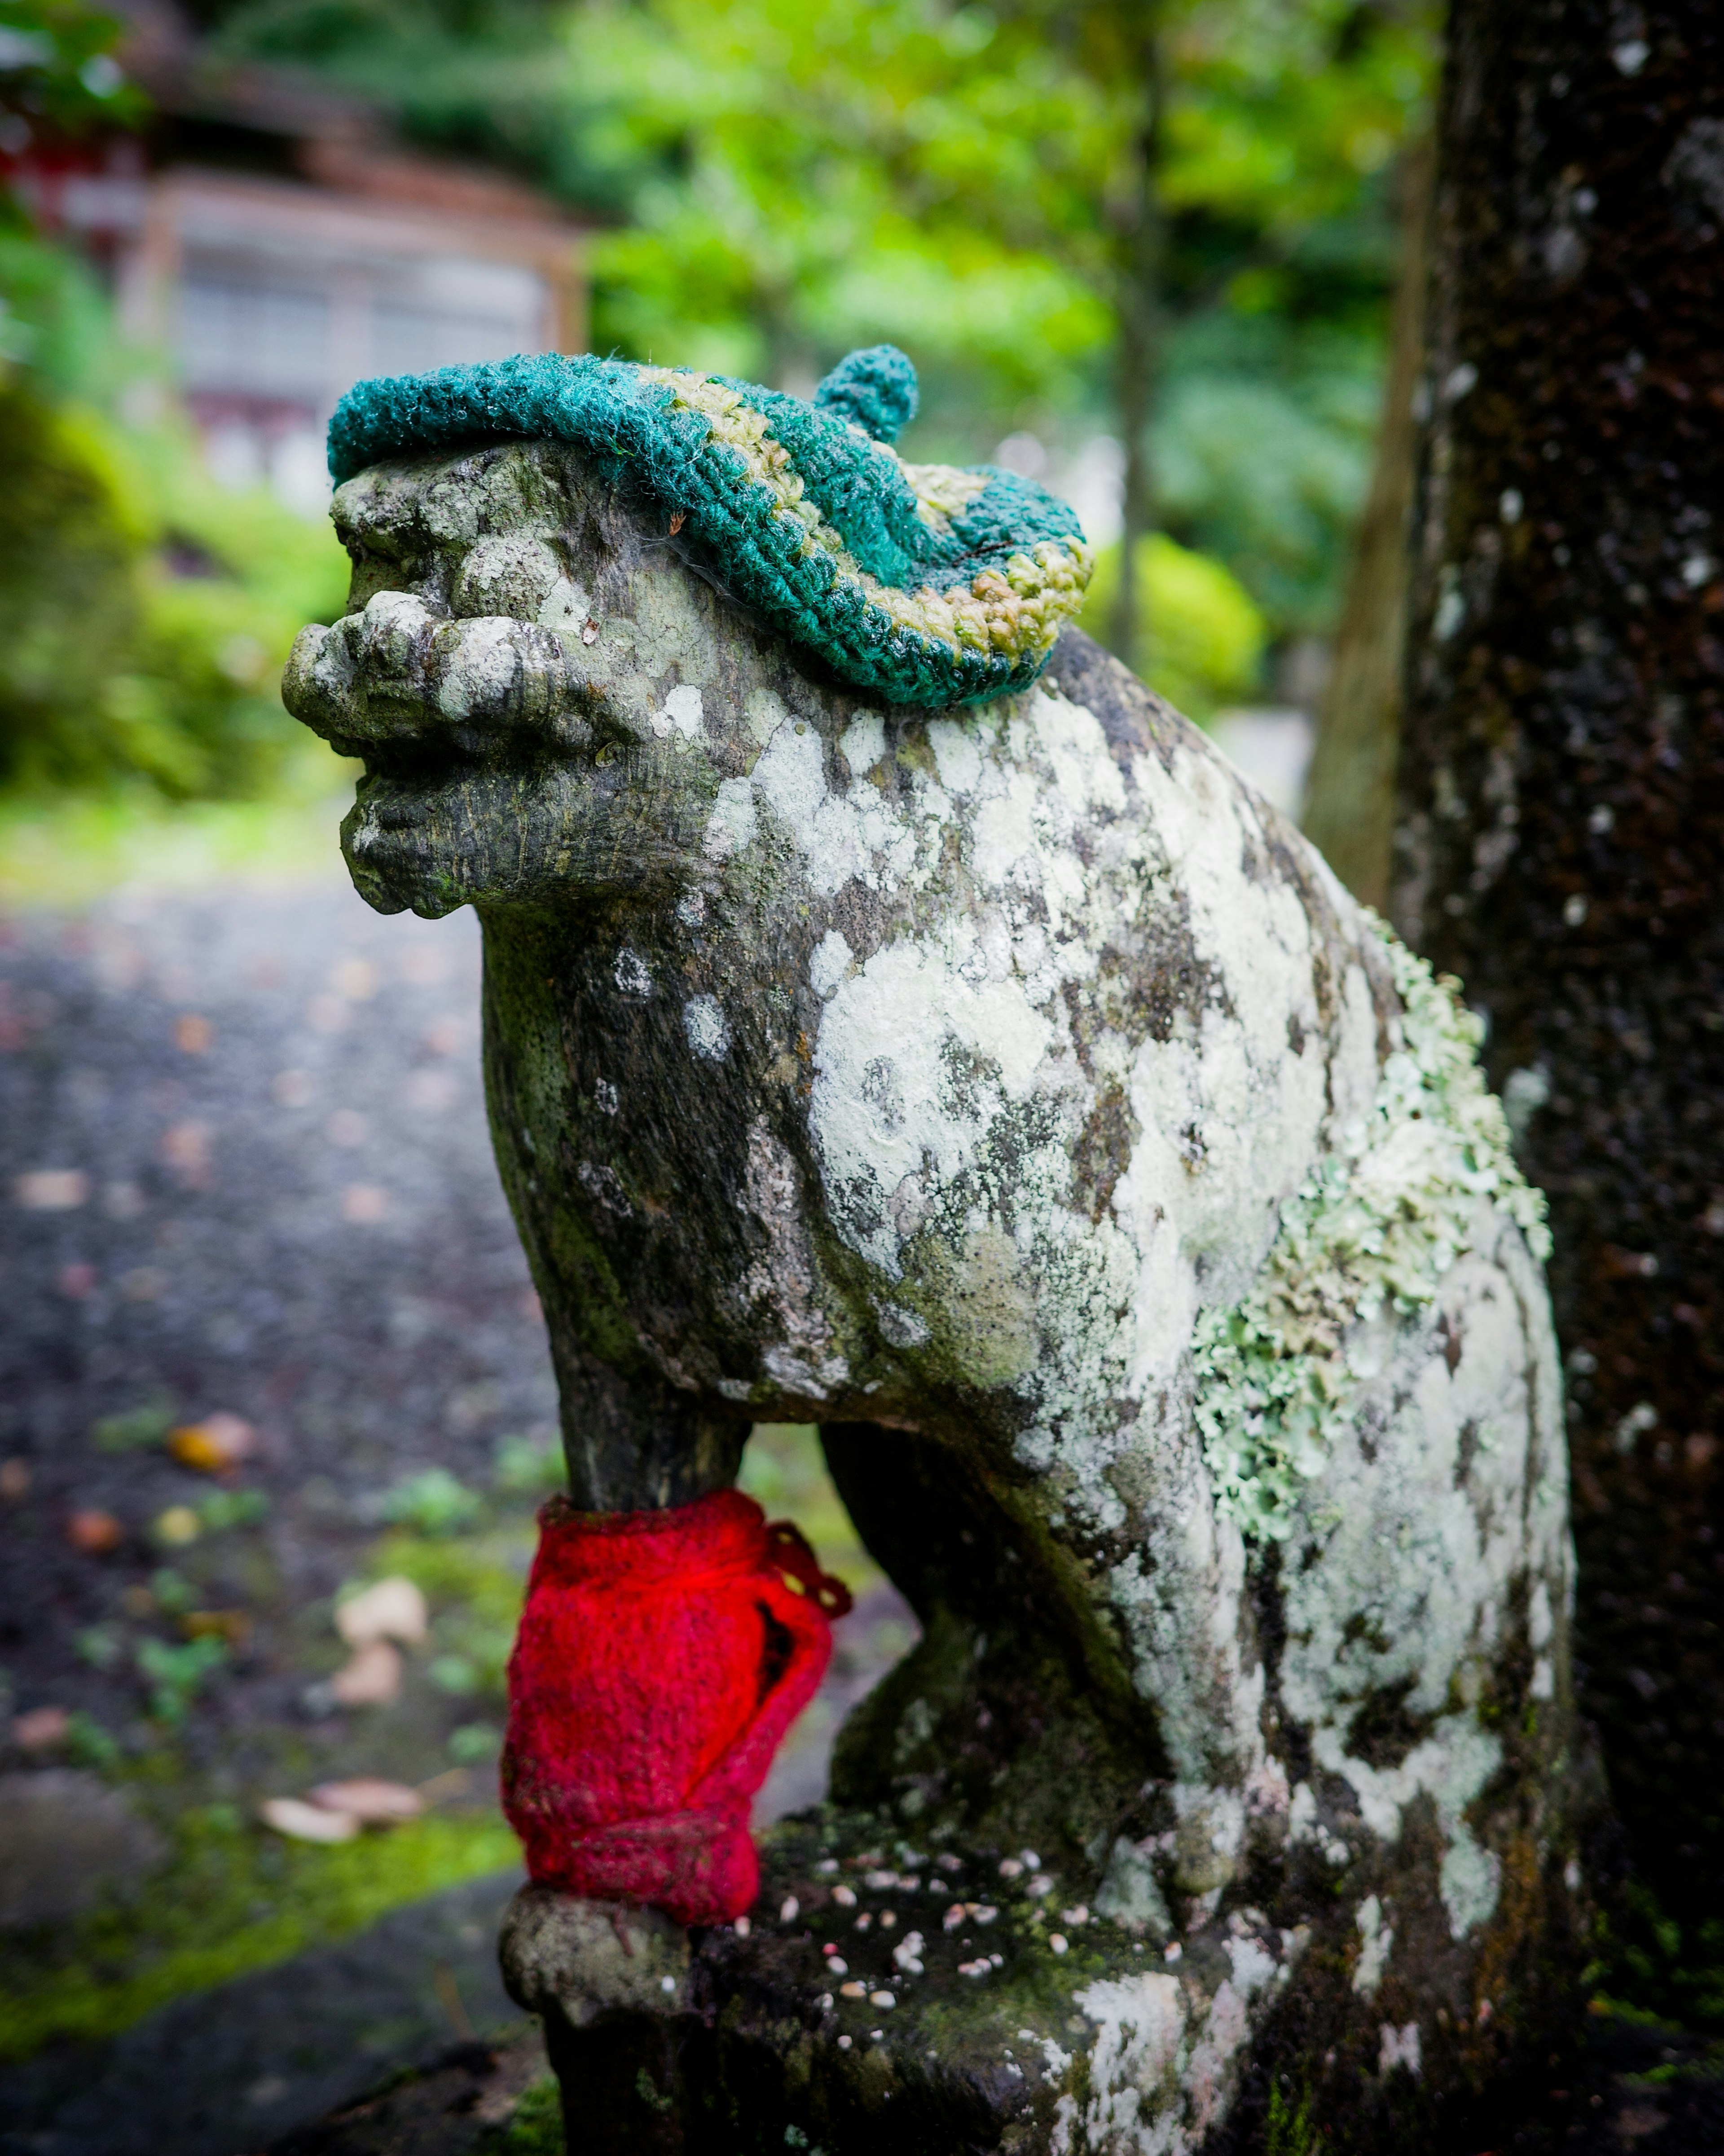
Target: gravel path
x=244 y=1171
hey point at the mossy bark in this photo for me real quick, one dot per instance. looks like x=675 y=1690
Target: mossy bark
x=1561 y=818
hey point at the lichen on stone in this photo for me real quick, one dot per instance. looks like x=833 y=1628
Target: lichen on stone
x=1377 y=1224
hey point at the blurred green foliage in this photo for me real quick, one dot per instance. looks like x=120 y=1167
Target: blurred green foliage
x=784 y=179
x=774 y=180
x=144 y=612
x=1202 y=634
x=432 y=1501
x=57 y=67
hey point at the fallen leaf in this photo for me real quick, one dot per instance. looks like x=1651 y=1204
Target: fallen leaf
x=302 y=1822
x=41 y=1729
x=192 y=1034
x=373 y=1802
x=394 y=1609
x=185 y=1148
x=214 y=1445
x=232 y=1626
x=177 y=1526
x=95 y=1532
x=51 y=1189
x=372 y=1678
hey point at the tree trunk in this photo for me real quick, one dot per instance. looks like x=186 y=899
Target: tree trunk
x=1560 y=805
x=1137 y=311
x=1350 y=805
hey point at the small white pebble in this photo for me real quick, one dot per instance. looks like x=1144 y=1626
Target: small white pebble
x=743 y=1928
x=1057 y=1942
x=984 y=1915
x=1027 y=2036
x=1080 y=1915
x=838 y=1966
x=1029 y=1859
x=999 y=1960
x=954 y=1916
x=1009 y=1867
x=1137 y=1947
x=877 y=2036
x=843 y=2043
x=864 y=1921
x=951 y=1863
x=853 y=1989
x=881 y=1999
x=824 y=2002
x=888 y=1918
x=791 y=1910
x=881 y=1881
x=846 y=1896
x=1039 y=1885
x=667 y=1983
x=1174 y=1951
x=827 y=1864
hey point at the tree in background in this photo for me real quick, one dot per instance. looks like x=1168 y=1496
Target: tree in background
x=1349 y=793
x=990 y=187
x=1560 y=820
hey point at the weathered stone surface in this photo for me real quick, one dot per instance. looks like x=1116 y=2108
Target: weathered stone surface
x=1015 y=1094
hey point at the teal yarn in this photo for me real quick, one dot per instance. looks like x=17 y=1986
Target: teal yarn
x=876 y=388
x=928 y=584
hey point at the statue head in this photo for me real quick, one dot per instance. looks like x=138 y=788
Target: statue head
x=547 y=700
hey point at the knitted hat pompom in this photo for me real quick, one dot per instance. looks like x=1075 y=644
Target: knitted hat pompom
x=876 y=387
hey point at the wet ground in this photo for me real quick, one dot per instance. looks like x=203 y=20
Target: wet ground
x=246 y=1190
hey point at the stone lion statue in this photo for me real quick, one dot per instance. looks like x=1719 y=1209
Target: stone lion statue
x=899 y=1018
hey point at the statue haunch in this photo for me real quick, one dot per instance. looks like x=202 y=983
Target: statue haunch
x=1014 y=1094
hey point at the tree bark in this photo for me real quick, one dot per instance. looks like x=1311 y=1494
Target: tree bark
x=1349 y=802
x=1561 y=803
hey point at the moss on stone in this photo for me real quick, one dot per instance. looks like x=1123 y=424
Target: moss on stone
x=1377 y=1224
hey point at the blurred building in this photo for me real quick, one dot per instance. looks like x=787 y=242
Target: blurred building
x=271 y=237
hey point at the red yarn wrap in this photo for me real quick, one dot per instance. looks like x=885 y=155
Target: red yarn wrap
x=661 y=1657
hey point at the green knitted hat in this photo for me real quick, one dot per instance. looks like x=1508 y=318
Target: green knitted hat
x=931 y=584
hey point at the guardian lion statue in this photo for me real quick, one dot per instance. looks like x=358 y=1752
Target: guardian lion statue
x=898 y=1018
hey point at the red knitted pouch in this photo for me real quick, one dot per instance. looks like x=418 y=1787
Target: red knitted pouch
x=661 y=1657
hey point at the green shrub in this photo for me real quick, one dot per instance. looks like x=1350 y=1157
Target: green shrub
x=1200 y=635
x=434 y=1501
x=144 y=611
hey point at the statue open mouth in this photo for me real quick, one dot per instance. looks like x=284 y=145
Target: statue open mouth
x=502 y=683
x=441 y=710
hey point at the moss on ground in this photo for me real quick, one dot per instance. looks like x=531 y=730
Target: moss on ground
x=536 y=2129
x=233 y=1900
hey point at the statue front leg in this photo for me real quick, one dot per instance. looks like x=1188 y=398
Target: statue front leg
x=635 y=1443
x=670 y=1638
